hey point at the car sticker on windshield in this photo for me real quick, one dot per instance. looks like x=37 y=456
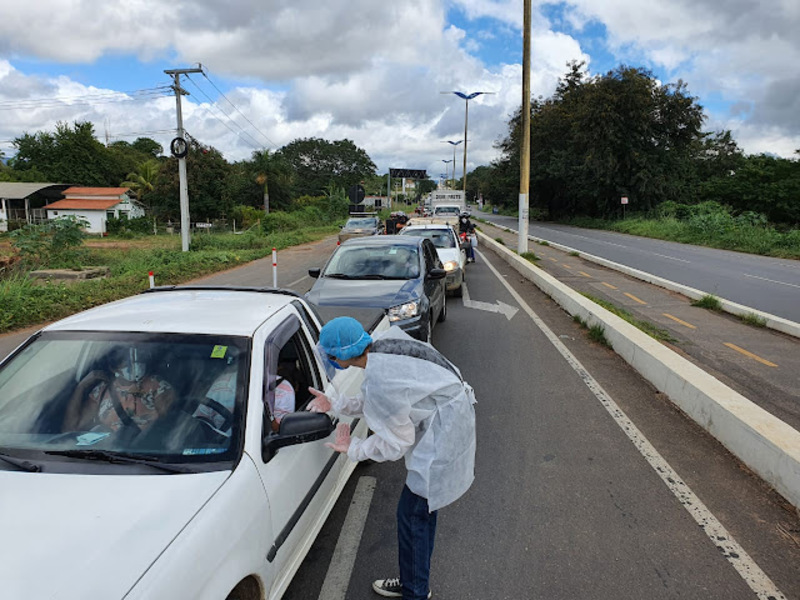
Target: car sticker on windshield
x=87 y=439
x=196 y=451
x=219 y=351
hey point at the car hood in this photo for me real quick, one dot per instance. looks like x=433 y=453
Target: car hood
x=91 y=536
x=364 y=292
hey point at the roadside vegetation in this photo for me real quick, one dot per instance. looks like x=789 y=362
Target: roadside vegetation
x=131 y=256
x=626 y=134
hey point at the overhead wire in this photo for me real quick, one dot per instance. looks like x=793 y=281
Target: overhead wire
x=101 y=98
x=264 y=135
x=255 y=144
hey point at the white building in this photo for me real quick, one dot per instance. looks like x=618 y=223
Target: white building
x=96 y=205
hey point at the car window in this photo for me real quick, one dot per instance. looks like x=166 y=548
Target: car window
x=374 y=262
x=441 y=238
x=125 y=392
x=361 y=223
x=431 y=257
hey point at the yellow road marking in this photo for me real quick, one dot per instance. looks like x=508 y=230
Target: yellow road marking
x=634 y=298
x=566 y=266
x=584 y=274
x=751 y=355
x=553 y=259
x=608 y=285
x=677 y=320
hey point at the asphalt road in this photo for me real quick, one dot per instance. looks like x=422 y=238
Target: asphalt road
x=571 y=499
x=564 y=504
x=768 y=284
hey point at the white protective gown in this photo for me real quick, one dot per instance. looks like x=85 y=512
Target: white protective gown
x=418 y=409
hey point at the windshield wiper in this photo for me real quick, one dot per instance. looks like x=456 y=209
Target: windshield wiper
x=21 y=464
x=338 y=275
x=121 y=457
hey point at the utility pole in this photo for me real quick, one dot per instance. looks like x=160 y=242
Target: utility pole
x=179 y=148
x=525 y=151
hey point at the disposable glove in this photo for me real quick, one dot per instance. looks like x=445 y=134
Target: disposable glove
x=342 y=443
x=320 y=403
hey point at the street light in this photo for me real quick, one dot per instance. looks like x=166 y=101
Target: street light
x=446 y=162
x=467 y=98
x=453 y=144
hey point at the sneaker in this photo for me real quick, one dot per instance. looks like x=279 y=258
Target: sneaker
x=389 y=588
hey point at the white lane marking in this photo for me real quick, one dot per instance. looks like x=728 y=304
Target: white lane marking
x=688 y=262
x=500 y=307
x=294 y=283
x=771 y=280
x=730 y=549
x=337 y=578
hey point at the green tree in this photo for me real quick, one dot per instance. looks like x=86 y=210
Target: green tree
x=207 y=172
x=598 y=138
x=142 y=181
x=70 y=155
x=318 y=163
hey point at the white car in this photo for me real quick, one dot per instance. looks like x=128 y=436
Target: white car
x=141 y=457
x=448 y=247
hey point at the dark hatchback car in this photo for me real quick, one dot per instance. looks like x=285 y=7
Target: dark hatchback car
x=400 y=274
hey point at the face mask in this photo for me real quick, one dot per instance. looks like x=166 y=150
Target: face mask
x=336 y=365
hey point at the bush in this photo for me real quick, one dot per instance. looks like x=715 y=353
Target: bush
x=54 y=243
x=124 y=227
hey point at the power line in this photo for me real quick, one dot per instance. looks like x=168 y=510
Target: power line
x=239 y=111
x=90 y=99
x=255 y=143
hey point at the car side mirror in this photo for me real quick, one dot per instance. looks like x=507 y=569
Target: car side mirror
x=297 y=428
x=437 y=274
x=314 y=273
x=341 y=226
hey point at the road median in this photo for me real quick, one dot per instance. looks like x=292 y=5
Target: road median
x=764 y=443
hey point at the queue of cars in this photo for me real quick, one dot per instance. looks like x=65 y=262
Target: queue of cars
x=146 y=446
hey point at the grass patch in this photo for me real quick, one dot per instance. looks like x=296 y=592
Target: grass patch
x=718 y=230
x=753 y=320
x=500 y=241
x=708 y=301
x=573 y=253
x=543 y=243
x=654 y=331
x=598 y=334
x=27 y=303
x=530 y=257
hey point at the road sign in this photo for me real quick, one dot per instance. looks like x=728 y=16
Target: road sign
x=408 y=173
x=624 y=200
x=356 y=194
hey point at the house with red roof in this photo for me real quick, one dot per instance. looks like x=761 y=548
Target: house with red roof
x=96 y=205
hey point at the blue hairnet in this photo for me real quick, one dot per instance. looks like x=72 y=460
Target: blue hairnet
x=344 y=338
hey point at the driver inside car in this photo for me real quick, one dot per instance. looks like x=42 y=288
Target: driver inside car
x=128 y=396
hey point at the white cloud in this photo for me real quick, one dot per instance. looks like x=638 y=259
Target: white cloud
x=373 y=71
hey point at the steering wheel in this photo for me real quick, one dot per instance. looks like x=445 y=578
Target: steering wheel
x=218 y=408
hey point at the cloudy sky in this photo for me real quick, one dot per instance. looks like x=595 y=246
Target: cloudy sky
x=373 y=70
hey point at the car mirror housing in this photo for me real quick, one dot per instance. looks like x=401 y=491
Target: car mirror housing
x=437 y=273
x=314 y=273
x=297 y=428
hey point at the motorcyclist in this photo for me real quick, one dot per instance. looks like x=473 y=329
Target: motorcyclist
x=466 y=230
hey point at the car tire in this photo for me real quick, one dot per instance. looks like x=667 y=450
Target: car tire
x=443 y=313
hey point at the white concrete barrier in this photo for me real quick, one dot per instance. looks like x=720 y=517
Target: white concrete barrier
x=764 y=443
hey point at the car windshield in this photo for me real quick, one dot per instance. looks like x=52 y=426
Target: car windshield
x=170 y=398
x=447 y=210
x=374 y=262
x=360 y=223
x=441 y=238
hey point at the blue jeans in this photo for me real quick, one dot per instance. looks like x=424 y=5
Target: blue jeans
x=416 y=529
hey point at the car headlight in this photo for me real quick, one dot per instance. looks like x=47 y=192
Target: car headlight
x=403 y=311
x=450 y=265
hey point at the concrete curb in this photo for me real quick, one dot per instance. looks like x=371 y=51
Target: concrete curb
x=767 y=445
x=772 y=321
